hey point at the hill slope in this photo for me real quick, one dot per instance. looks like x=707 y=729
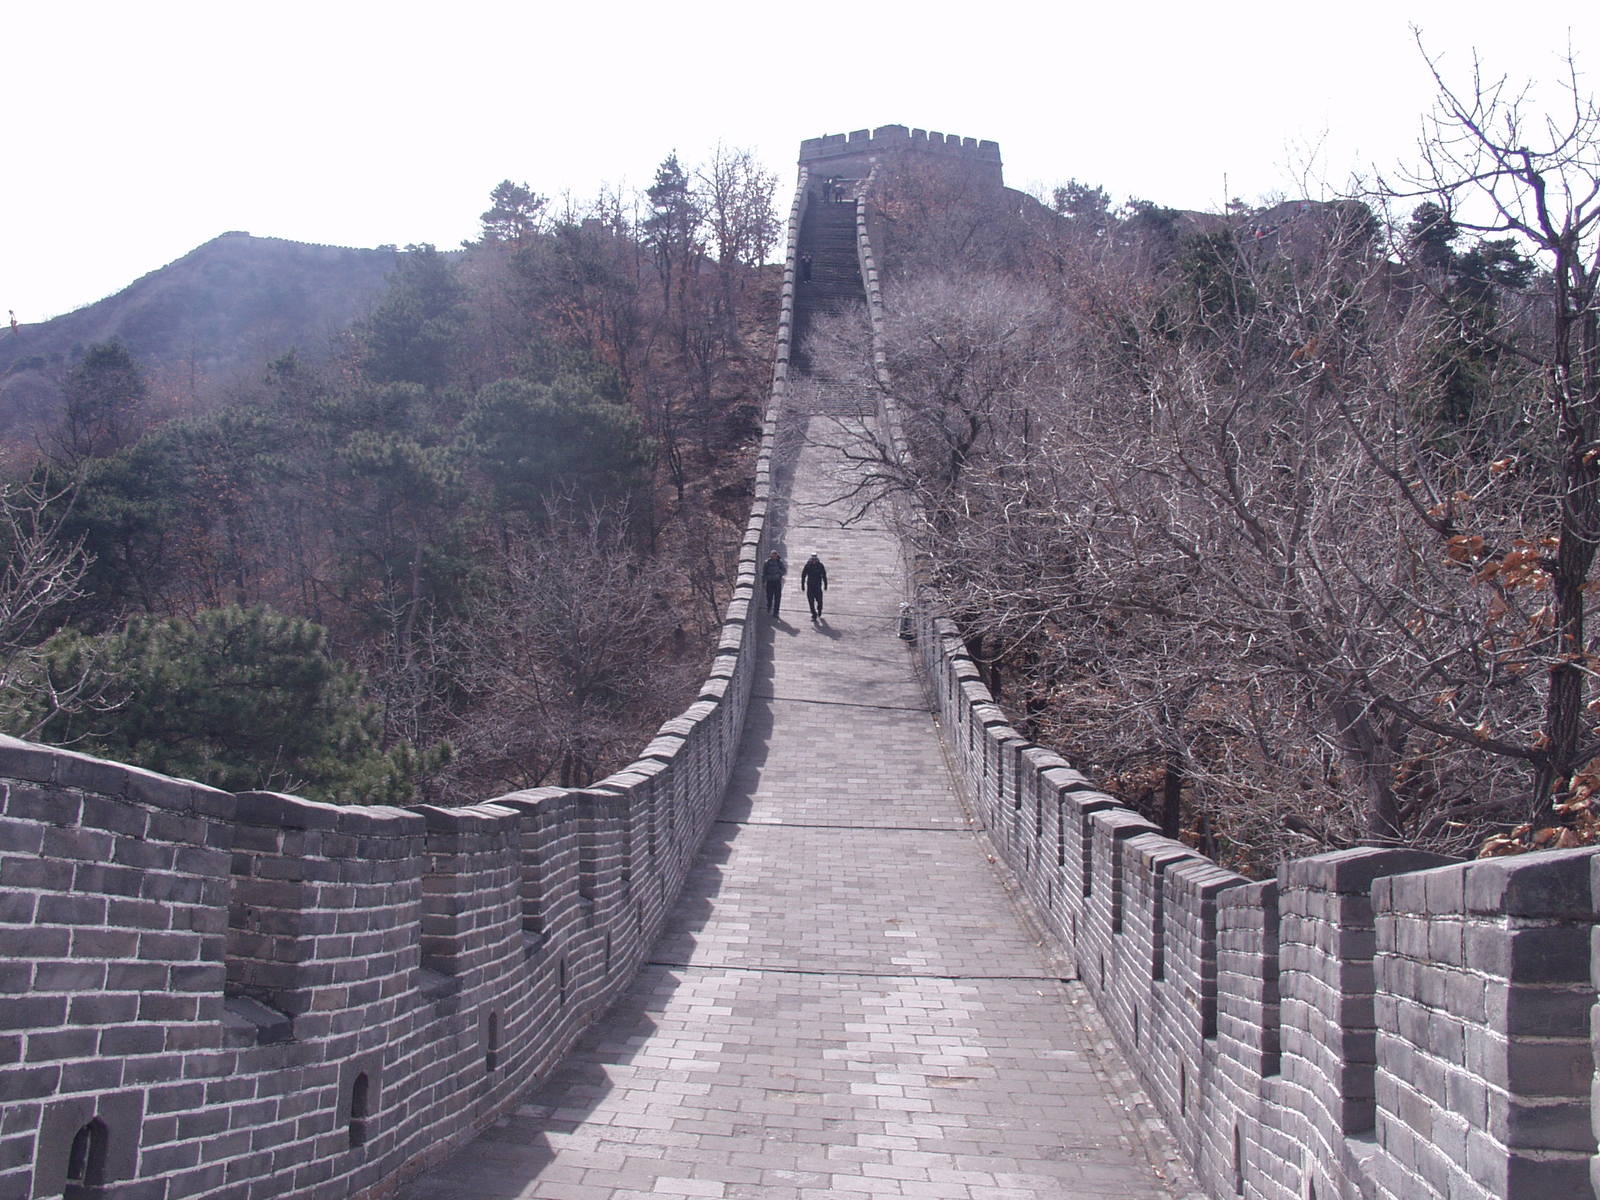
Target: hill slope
x=223 y=307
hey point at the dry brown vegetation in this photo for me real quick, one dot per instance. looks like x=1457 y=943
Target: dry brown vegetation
x=1280 y=524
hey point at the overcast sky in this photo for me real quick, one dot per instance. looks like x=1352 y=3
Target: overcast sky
x=137 y=131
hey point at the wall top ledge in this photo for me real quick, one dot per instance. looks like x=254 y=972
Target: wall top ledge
x=1065 y=778
x=1091 y=800
x=296 y=812
x=680 y=726
x=35 y=763
x=1355 y=870
x=664 y=746
x=1160 y=851
x=988 y=713
x=528 y=798
x=1199 y=875
x=632 y=776
x=1549 y=883
x=1044 y=758
x=476 y=818
x=1261 y=897
x=897 y=137
x=1121 y=822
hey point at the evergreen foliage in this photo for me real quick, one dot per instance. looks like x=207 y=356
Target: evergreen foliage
x=537 y=441
x=236 y=698
x=414 y=331
x=515 y=214
x=104 y=393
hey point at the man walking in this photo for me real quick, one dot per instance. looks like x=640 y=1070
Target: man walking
x=814 y=579
x=772 y=573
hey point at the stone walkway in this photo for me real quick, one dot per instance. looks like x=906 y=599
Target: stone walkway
x=846 y=1000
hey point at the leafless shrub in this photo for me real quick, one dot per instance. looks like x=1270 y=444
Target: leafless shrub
x=559 y=660
x=42 y=574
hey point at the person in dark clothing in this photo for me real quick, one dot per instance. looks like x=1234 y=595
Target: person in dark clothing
x=805 y=267
x=814 y=578
x=772 y=573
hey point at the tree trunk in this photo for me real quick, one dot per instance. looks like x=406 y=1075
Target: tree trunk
x=1172 y=795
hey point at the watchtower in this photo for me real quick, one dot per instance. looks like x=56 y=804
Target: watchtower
x=849 y=157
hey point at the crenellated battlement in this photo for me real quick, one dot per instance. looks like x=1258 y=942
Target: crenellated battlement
x=853 y=154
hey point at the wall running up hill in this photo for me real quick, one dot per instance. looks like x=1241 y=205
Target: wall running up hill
x=252 y=996
x=255 y=996
x=1372 y=1023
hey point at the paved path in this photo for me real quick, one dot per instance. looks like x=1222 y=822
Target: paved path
x=845 y=1001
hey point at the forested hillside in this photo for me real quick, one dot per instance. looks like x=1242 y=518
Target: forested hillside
x=480 y=542
x=194 y=326
x=1282 y=526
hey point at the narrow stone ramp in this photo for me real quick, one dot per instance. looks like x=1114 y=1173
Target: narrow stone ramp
x=845 y=1000
x=831 y=289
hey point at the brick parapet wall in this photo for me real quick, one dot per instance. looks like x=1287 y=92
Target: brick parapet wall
x=1490 y=1034
x=218 y=1001
x=1373 y=1023
x=258 y=996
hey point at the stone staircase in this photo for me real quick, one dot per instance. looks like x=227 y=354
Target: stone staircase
x=828 y=238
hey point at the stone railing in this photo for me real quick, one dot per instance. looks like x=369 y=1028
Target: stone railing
x=1371 y=1023
x=257 y=996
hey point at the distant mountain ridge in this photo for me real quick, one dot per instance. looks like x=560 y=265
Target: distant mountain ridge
x=224 y=307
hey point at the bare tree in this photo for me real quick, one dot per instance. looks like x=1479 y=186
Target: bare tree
x=972 y=354
x=933 y=215
x=591 y=281
x=1172 y=529
x=560 y=657
x=1497 y=162
x=1231 y=531
x=103 y=406
x=42 y=574
x=737 y=198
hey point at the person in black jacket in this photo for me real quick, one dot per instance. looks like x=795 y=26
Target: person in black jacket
x=772 y=573
x=814 y=578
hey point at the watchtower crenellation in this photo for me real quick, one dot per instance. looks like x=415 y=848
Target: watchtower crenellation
x=853 y=154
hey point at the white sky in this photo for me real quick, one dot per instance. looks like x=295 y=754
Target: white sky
x=137 y=131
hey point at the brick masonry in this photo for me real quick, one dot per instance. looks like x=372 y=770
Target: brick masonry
x=855 y=153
